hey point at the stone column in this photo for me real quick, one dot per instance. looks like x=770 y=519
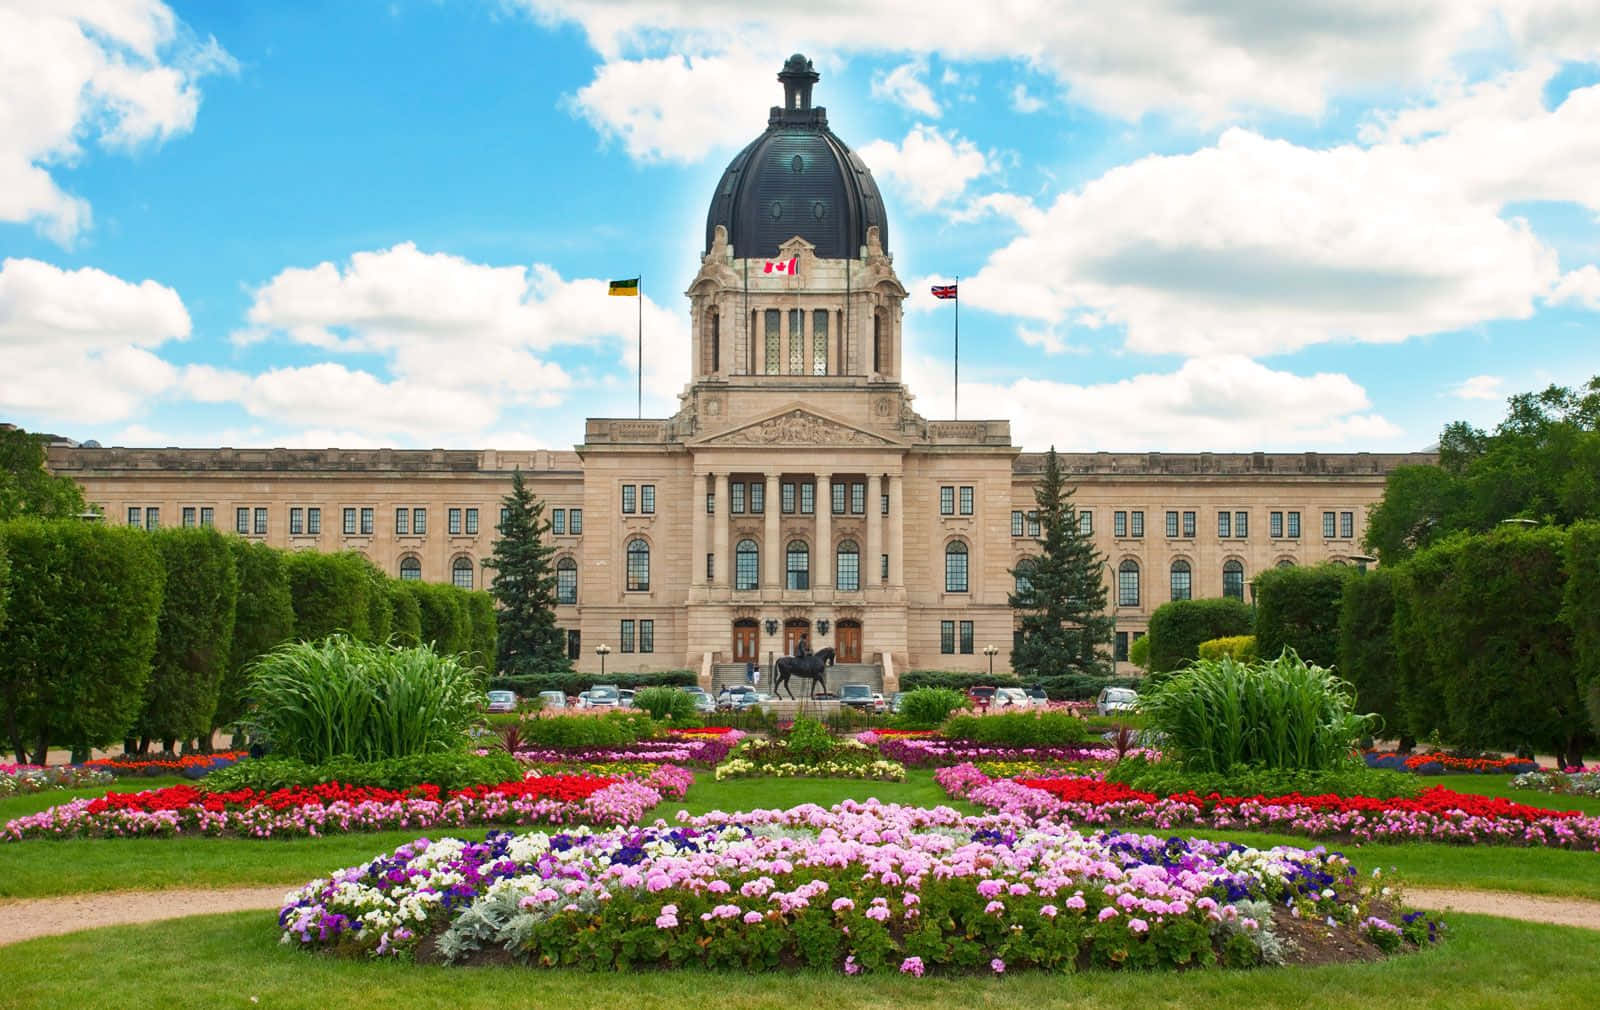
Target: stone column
x=897 y=531
x=698 y=505
x=719 y=539
x=822 y=551
x=772 y=556
x=870 y=568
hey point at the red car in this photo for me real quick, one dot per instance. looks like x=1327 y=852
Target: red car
x=981 y=696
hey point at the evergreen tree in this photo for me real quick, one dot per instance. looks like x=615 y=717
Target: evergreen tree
x=1061 y=599
x=525 y=587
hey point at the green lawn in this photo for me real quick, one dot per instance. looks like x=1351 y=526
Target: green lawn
x=1500 y=785
x=236 y=961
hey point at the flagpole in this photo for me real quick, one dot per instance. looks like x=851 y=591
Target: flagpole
x=958 y=349
x=641 y=346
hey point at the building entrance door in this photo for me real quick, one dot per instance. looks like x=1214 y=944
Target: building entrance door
x=847 y=642
x=794 y=630
x=746 y=642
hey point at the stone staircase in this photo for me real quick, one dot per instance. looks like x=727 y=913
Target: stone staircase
x=725 y=674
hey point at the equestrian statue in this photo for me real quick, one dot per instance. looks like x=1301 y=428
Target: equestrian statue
x=812 y=666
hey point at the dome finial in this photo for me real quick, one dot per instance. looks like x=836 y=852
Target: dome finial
x=797 y=76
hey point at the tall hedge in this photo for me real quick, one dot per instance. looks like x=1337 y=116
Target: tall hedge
x=1298 y=608
x=1367 y=657
x=5 y=577
x=405 y=622
x=1581 y=611
x=1419 y=689
x=194 y=636
x=75 y=650
x=482 y=622
x=263 y=619
x=380 y=613
x=331 y=595
x=1178 y=628
x=446 y=625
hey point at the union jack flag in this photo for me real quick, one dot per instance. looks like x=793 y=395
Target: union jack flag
x=944 y=291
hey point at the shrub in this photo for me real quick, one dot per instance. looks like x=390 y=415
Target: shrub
x=1018 y=729
x=81 y=628
x=1218 y=715
x=1077 y=687
x=1350 y=778
x=446 y=625
x=927 y=707
x=1178 y=628
x=380 y=615
x=341 y=697
x=481 y=625
x=613 y=729
x=448 y=771
x=665 y=704
x=1581 y=612
x=1139 y=652
x=1241 y=648
x=405 y=622
x=809 y=740
x=1366 y=649
x=330 y=593
x=263 y=619
x=1298 y=608
x=955 y=680
x=575 y=683
x=194 y=635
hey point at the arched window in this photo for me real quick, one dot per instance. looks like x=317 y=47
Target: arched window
x=566 y=581
x=955 y=567
x=410 y=570
x=461 y=573
x=1286 y=563
x=746 y=565
x=798 y=565
x=638 y=566
x=1181 y=580
x=877 y=341
x=1022 y=574
x=1233 y=580
x=1128 y=583
x=716 y=341
x=847 y=567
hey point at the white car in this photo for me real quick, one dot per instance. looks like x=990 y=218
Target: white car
x=600 y=696
x=1011 y=697
x=553 y=699
x=1113 y=700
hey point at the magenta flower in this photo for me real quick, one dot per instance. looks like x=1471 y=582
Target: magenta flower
x=911 y=966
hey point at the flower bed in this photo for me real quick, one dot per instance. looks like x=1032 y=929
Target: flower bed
x=1572 y=783
x=16 y=780
x=933 y=752
x=334 y=808
x=846 y=760
x=859 y=888
x=188 y=765
x=871 y=737
x=727 y=732
x=1436 y=815
x=1439 y=764
x=706 y=751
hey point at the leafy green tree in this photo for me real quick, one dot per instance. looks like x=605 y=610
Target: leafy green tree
x=1298 y=608
x=27 y=488
x=529 y=640
x=263 y=619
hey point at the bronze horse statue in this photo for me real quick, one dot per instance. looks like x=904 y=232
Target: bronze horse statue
x=813 y=667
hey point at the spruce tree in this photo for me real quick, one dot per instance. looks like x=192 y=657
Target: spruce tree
x=1061 y=600
x=529 y=641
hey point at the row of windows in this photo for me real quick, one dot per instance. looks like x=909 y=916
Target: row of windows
x=639 y=499
x=951 y=498
x=460 y=571
x=307 y=520
x=565 y=521
x=746 y=567
x=952 y=633
x=1180 y=580
x=795 y=497
x=647 y=635
x=1230 y=525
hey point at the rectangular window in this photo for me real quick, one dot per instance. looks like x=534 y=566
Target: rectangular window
x=1033 y=525
x=966 y=638
x=711 y=503
x=313 y=521
x=1275 y=525
x=947 y=501
x=630 y=495
x=847 y=578
x=819 y=342
x=1188 y=525
x=883 y=501
x=1172 y=524
x=188 y=517
x=758 y=498
x=505 y=514
x=711 y=568
x=575 y=521
x=472 y=522
x=774 y=341
x=1138 y=525
x=1327 y=526
x=261 y=522
x=349 y=522
x=1241 y=524
x=1224 y=525
x=241 y=520
x=647 y=636
x=808 y=499
x=1016 y=522
x=135 y=516
x=402 y=522
x=419 y=521
x=1119 y=524
x=858 y=499
x=1294 y=526
x=745 y=568
x=647 y=499
x=1347 y=525
x=367 y=516
x=558 y=522
x=838 y=494
x=453 y=521
x=797 y=342
x=947 y=637
x=208 y=516
x=966 y=500
x=1085 y=524
x=152 y=518
x=574 y=643
x=626 y=635
x=1122 y=647
x=736 y=492
x=786 y=497
x=883 y=574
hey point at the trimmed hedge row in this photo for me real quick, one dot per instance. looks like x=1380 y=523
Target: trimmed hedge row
x=530 y=685
x=1178 y=628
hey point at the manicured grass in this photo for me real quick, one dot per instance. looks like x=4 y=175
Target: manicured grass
x=919 y=789
x=234 y=959
x=32 y=803
x=1500 y=785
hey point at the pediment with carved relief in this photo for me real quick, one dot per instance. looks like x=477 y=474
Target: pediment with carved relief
x=798 y=426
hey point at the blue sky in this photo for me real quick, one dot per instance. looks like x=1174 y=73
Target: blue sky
x=1179 y=226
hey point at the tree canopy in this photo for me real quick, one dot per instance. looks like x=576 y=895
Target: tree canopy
x=26 y=487
x=529 y=641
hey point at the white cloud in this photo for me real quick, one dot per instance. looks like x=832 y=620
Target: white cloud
x=1023 y=102
x=904 y=86
x=678 y=108
x=1580 y=287
x=71 y=71
x=75 y=344
x=929 y=168
x=1479 y=387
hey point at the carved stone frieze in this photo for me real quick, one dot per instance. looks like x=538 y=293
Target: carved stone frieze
x=799 y=427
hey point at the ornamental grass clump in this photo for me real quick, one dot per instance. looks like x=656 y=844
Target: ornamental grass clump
x=1283 y=714
x=927 y=707
x=343 y=698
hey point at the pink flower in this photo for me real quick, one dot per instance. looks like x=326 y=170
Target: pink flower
x=997 y=966
x=1109 y=912
x=842 y=904
x=1076 y=903
x=850 y=966
x=994 y=908
x=911 y=966
x=1048 y=911
x=1138 y=926
x=751 y=918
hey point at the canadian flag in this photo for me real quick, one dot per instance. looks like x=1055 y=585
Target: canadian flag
x=790 y=266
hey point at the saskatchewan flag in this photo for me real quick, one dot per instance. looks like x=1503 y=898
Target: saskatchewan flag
x=626 y=289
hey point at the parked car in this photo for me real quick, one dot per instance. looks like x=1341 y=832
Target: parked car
x=502 y=701
x=625 y=698
x=981 y=695
x=879 y=706
x=703 y=702
x=736 y=696
x=1113 y=700
x=1011 y=697
x=553 y=699
x=857 y=696
x=600 y=696
x=897 y=701
x=1037 y=696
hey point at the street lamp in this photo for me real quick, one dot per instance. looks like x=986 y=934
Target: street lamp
x=602 y=651
x=1362 y=561
x=990 y=650
x=1252 y=585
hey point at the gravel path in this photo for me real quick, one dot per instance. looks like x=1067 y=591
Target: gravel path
x=26 y=919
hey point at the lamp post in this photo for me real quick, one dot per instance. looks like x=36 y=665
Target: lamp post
x=1116 y=602
x=1362 y=561
x=1252 y=584
x=990 y=650
x=602 y=651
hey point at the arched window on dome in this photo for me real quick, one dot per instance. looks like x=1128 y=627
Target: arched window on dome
x=819 y=342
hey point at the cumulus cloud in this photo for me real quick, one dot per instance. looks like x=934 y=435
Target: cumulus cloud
x=1479 y=387
x=678 y=107
x=77 y=344
x=928 y=167
x=78 y=71
x=1580 y=287
x=1023 y=102
x=904 y=86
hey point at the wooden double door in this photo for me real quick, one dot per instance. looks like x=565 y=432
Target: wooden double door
x=746 y=642
x=796 y=630
x=847 y=642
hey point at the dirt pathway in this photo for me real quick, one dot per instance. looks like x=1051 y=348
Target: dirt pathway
x=1577 y=912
